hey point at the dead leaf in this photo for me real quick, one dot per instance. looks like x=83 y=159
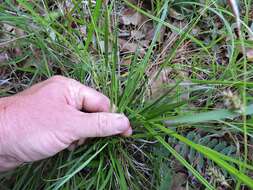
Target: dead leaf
x=149 y=30
x=137 y=34
x=3 y=57
x=178 y=180
x=126 y=61
x=249 y=55
x=131 y=47
x=171 y=37
x=8 y=27
x=174 y=14
x=156 y=82
x=130 y=16
x=161 y=35
x=144 y=43
x=83 y=30
x=249 y=52
x=150 y=34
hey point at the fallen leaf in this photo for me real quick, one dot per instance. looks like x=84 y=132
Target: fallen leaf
x=137 y=34
x=249 y=55
x=149 y=30
x=174 y=14
x=156 y=84
x=126 y=61
x=171 y=37
x=144 y=43
x=249 y=52
x=83 y=30
x=130 y=16
x=150 y=34
x=131 y=47
x=8 y=27
x=178 y=180
x=3 y=57
x=124 y=34
x=161 y=35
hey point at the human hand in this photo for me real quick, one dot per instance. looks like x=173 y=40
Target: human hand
x=46 y=118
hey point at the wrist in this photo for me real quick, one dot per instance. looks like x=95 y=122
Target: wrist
x=6 y=161
x=3 y=110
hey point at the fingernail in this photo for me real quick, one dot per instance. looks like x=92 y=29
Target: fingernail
x=122 y=123
x=128 y=132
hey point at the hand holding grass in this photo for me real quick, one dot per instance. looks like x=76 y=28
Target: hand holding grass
x=45 y=119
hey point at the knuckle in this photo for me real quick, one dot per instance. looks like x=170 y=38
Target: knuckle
x=58 y=78
x=52 y=87
x=104 y=102
x=102 y=124
x=57 y=81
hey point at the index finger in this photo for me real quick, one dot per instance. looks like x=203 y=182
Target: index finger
x=86 y=98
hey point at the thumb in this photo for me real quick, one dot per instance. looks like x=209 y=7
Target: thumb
x=102 y=124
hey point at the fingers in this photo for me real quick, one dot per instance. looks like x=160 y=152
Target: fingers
x=78 y=96
x=83 y=97
x=100 y=124
x=128 y=132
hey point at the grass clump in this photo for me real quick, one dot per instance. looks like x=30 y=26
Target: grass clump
x=189 y=129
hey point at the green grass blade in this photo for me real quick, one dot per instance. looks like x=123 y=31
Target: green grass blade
x=208 y=116
x=210 y=155
x=182 y=160
x=66 y=178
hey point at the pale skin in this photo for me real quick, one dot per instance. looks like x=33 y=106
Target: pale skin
x=52 y=115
